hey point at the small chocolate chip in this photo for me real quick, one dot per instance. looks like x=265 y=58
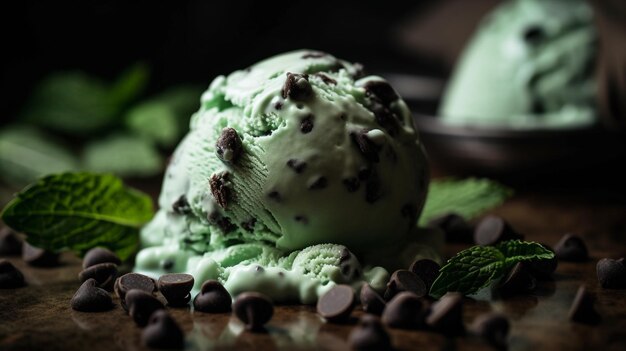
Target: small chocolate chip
x=297 y=87
x=368 y=148
x=162 y=332
x=35 y=256
x=352 y=184
x=167 y=264
x=542 y=269
x=492 y=230
x=446 y=315
x=213 y=298
x=249 y=225
x=405 y=311
x=10 y=277
x=345 y=255
x=533 y=35
x=259 y=269
x=385 y=118
x=220 y=189
x=493 y=328
x=141 y=305
x=382 y=91
x=10 y=243
x=455 y=228
x=176 y=287
x=427 y=270
x=336 y=304
x=99 y=255
x=314 y=54
x=306 y=124
x=582 y=309
x=326 y=79
x=301 y=219
x=371 y=301
x=275 y=195
x=517 y=281
x=403 y=280
x=90 y=298
x=103 y=273
x=133 y=281
x=611 y=273
x=369 y=334
x=228 y=146
x=318 y=183
x=571 y=248
x=296 y=165
x=181 y=206
x=254 y=310
x=359 y=71
x=278 y=105
x=223 y=223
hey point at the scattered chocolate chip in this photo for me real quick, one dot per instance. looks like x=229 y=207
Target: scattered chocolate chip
x=254 y=310
x=10 y=277
x=306 y=124
x=103 y=273
x=571 y=248
x=492 y=230
x=385 y=118
x=296 y=165
x=228 y=146
x=278 y=105
x=427 y=270
x=336 y=304
x=318 y=183
x=176 y=288
x=181 y=206
x=220 y=189
x=222 y=222
x=162 y=332
x=373 y=190
x=10 y=243
x=35 y=256
x=274 y=195
x=359 y=71
x=611 y=273
x=517 y=281
x=90 y=298
x=367 y=147
x=369 y=334
x=455 y=228
x=297 y=87
x=100 y=255
x=405 y=311
x=249 y=225
x=371 y=301
x=301 y=219
x=167 y=264
x=533 y=35
x=446 y=315
x=382 y=91
x=345 y=255
x=582 y=309
x=493 y=328
x=352 y=184
x=314 y=54
x=403 y=280
x=141 y=305
x=213 y=298
x=326 y=79
x=542 y=269
x=132 y=281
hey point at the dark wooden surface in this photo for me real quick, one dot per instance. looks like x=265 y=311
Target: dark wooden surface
x=38 y=317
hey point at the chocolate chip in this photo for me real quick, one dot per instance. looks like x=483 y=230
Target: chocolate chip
x=405 y=311
x=223 y=223
x=427 y=270
x=373 y=190
x=542 y=269
x=132 y=281
x=10 y=243
x=297 y=87
x=167 y=264
x=141 y=305
x=318 y=183
x=359 y=71
x=446 y=315
x=249 y=225
x=371 y=301
x=302 y=219
x=571 y=248
x=336 y=304
x=517 y=281
x=162 y=332
x=455 y=228
x=228 y=146
x=90 y=298
x=314 y=54
x=611 y=273
x=10 y=277
x=100 y=255
x=297 y=166
x=368 y=148
x=369 y=334
x=326 y=79
x=582 y=309
x=403 y=280
x=181 y=206
x=35 y=256
x=382 y=91
x=274 y=195
x=213 y=298
x=345 y=255
x=492 y=230
x=176 y=288
x=493 y=328
x=278 y=105
x=533 y=35
x=385 y=118
x=254 y=310
x=220 y=189
x=103 y=273
x=352 y=184
x=306 y=124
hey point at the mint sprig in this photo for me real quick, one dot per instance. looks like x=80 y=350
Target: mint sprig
x=479 y=266
x=78 y=211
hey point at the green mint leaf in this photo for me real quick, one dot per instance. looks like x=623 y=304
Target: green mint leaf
x=123 y=155
x=156 y=121
x=467 y=197
x=78 y=211
x=517 y=251
x=129 y=85
x=27 y=154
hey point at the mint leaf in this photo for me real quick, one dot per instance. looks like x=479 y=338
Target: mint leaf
x=467 y=197
x=479 y=266
x=78 y=211
x=123 y=155
x=129 y=84
x=156 y=121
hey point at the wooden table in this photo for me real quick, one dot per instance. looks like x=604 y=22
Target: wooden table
x=38 y=317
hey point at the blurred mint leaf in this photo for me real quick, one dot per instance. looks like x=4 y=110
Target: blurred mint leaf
x=156 y=121
x=27 y=154
x=78 y=211
x=123 y=155
x=466 y=197
x=129 y=84
x=517 y=251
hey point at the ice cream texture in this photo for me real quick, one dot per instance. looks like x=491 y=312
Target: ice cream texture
x=529 y=65
x=297 y=173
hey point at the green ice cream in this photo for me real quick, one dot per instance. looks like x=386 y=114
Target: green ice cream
x=529 y=65
x=297 y=174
